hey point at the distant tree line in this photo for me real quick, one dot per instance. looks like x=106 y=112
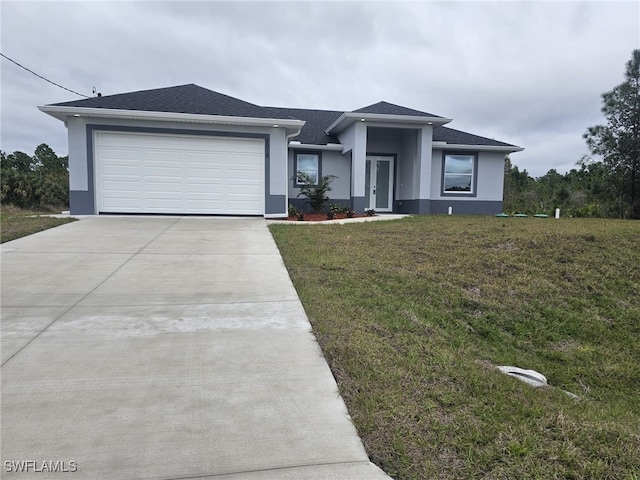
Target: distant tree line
x=34 y=182
x=588 y=191
x=605 y=185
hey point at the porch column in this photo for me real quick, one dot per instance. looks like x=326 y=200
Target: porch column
x=276 y=185
x=358 y=167
x=424 y=154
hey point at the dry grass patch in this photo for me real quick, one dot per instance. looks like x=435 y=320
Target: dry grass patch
x=413 y=315
x=16 y=223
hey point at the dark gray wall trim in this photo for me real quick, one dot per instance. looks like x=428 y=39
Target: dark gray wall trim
x=172 y=131
x=474 y=178
x=421 y=207
x=275 y=204
x=299 y=203
x=473 y=207
x=81 y=202
x=414 y=207
x=358 y=204
x=350 y=175
x=91 y=181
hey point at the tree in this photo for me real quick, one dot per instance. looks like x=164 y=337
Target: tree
x=618 y=142
x=18 y=162
x=46 y=159
x=40 y=181
x=519 y=190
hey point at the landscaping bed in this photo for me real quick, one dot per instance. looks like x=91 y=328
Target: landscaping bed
x=322 y=217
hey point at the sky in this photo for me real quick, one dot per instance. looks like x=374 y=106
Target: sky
x=526 y=73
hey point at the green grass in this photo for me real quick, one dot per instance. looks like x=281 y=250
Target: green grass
x=414 y=315
x=16 y=223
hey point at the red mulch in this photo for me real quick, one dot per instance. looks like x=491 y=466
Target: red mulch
x=319 y=217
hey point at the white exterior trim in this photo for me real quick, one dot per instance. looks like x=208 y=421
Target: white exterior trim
x=309 y=146
x=482 y=148
x=61 y=113
x=348 y=118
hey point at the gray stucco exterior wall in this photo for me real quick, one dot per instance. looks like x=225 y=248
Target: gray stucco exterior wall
x=82 y=202
x=78 y=174
x=332 y=163
x=413 y=207
x=423 y=161
x=405 y=170
x=276 y=174
x=418 y=190
x=418 y=171
x=299 y=203
x=354 y=141
x=358 y=204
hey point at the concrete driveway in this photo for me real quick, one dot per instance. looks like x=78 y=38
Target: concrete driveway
x=164 y=348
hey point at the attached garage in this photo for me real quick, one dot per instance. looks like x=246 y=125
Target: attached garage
x=178 y=174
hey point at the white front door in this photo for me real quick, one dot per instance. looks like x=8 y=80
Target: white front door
x=378 y=187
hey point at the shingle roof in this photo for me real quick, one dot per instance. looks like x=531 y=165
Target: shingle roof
x=457 y=137
x=317 y=121
x=180 y=99
x=194 y=99
x=386 y=108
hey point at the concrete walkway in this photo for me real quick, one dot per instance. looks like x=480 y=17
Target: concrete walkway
x=165 y=348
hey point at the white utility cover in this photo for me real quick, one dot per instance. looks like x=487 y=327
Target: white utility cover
x=531 y=377
x=164 y=173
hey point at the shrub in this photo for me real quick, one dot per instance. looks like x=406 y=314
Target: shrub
x=337 y=208
x=316 y=194
x=370 y=212
x=293 y=211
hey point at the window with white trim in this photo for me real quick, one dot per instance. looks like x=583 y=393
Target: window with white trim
x=459 y=172
x=309 y=164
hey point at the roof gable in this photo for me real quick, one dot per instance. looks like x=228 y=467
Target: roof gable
x=386 y=108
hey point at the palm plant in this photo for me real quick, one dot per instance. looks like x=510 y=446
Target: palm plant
x=316 y=194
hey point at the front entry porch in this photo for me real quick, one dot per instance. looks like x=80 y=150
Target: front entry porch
x=390 y=167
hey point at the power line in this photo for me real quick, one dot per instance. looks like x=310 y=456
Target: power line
x=43 y=78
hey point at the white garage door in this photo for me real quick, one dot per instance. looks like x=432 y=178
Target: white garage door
x=153 y=173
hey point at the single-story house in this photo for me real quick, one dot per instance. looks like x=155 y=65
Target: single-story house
x=190 y=150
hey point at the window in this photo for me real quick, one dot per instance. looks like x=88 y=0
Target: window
x=459 y=174
x=308 y=163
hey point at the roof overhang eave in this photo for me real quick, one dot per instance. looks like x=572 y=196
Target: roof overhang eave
x=338 y=147
x=485 y=148
x=347 y=118
x=63 y=113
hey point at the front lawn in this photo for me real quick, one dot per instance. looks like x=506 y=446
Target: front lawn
x=414 y=315
x=16 y=223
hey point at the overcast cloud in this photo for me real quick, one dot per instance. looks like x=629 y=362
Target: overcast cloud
x=527 y=73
